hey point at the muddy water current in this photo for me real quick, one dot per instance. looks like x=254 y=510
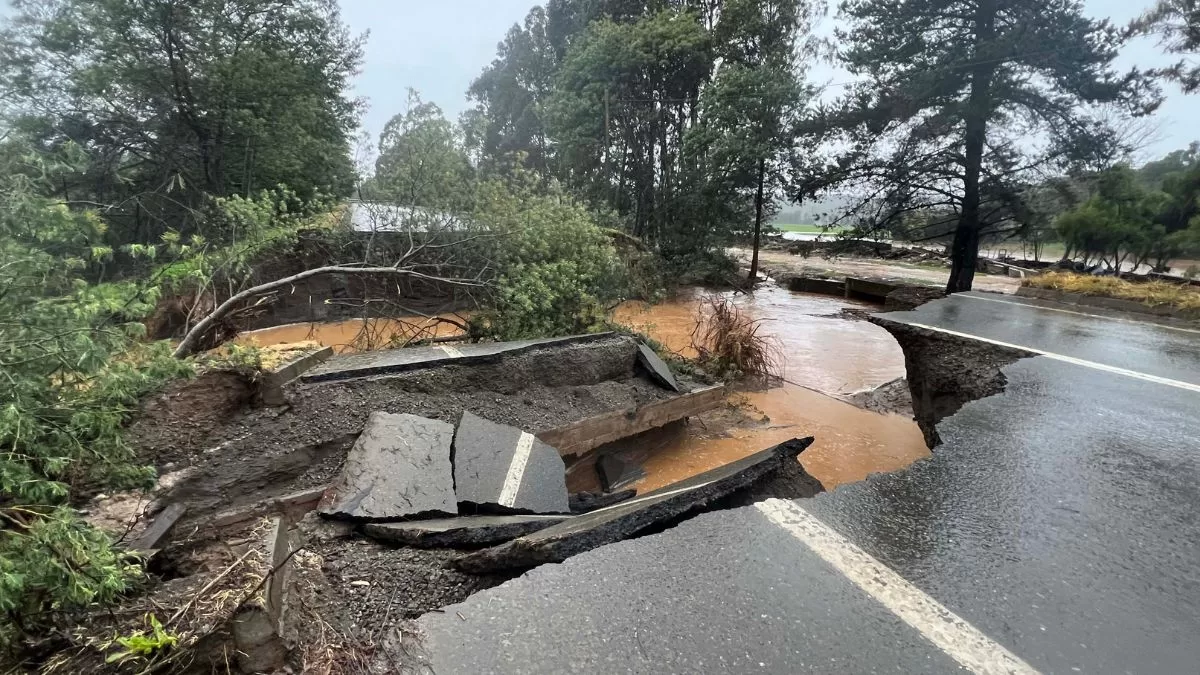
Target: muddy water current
x=823 y=356
x=354 y=334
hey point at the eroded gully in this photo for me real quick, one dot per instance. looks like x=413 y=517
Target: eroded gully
x=823 y=356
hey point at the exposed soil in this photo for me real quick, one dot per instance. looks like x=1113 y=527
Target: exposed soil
x=234 y=457
x=911 y=297
x=892 y=397
x=365 y=587
x=946 y=371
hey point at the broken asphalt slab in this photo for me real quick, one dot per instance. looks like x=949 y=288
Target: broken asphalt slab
x=583 y=502
x=462 y=532
x=501 y=469
x=385 y=362
x=658 y=369
x=614 y=523
x=399 y=468
x=615 y=473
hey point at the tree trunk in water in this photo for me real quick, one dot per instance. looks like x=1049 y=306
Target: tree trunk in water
x=758 y=214
x=964 y=253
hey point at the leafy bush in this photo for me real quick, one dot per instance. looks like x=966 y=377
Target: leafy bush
x=556 y=270
x=713 y=269
x=73 y=369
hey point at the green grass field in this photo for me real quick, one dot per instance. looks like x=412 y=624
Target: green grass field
x=807 y=229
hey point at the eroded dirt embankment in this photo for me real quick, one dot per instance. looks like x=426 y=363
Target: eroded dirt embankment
x=230 y=453
x=946 y=371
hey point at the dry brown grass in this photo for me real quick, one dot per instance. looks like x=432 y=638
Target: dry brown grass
x=1153 y=293
x=730 y=344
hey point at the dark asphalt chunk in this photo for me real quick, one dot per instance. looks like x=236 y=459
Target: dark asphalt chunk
x=398 y=468
x=461 y=532
x=615 y=473
x=657 y=368
x=501 y=469
x=607 y=525
x=367 y=364
x=725 y=592
x=583 y=502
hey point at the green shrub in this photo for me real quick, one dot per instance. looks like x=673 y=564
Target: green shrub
x=73 y=369
x=556 y=271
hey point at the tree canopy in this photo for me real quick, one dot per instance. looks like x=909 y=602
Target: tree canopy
x=667 y=113
x=958 y=100
x=1176 y=23
x=173 y=101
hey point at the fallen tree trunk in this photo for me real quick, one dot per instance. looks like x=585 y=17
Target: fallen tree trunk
x=187 y=346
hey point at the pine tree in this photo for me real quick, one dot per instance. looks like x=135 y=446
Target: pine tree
x=957 y=98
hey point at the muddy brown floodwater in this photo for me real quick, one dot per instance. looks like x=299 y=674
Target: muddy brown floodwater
x=823 y=357
x=354 y=334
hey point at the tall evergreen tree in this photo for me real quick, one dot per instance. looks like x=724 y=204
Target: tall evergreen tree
x=756 y=96
x=422 y=160
x=958 y=97
x=176 y=100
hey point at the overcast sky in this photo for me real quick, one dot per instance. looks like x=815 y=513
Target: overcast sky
x=439 y=46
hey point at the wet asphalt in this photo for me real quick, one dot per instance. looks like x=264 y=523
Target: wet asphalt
x=1060 y=518
x=1149 y=348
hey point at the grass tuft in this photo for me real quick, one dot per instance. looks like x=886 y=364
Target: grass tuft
x=730 y=344
x=1152 y=293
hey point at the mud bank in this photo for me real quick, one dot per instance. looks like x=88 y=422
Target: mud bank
x=892 y=397
x=947 y=371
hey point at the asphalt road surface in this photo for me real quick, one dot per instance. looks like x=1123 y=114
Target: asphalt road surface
x=1057 y=529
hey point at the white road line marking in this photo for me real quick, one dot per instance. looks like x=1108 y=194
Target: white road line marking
x=951 y=633
x=516 y=470
x=451 y=351
x=1071 y=311
x=1067 y=359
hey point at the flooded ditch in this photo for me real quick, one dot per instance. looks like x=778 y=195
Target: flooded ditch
x=356 y=334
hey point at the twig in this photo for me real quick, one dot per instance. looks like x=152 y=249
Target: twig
x=207 y=587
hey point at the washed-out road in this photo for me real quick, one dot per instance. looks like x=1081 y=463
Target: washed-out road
x=1056 y=530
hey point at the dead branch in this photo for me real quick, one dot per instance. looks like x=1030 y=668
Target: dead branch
x=187 y=346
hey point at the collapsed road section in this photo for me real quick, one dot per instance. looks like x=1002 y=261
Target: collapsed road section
x=368 y=491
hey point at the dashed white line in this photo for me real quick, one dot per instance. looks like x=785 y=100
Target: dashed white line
x=516 y=470
x=945 y=629
x=451 y=351
x=1067 y=359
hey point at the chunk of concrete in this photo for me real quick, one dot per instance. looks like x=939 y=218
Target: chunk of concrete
x=154 y=535
x=461 y=532
x=615 y=473
x=256 y=626
x=501 y=469
x=658 y=369
x=578 y=437
x=614 y=523
x=399 y=468
x=271 y=386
